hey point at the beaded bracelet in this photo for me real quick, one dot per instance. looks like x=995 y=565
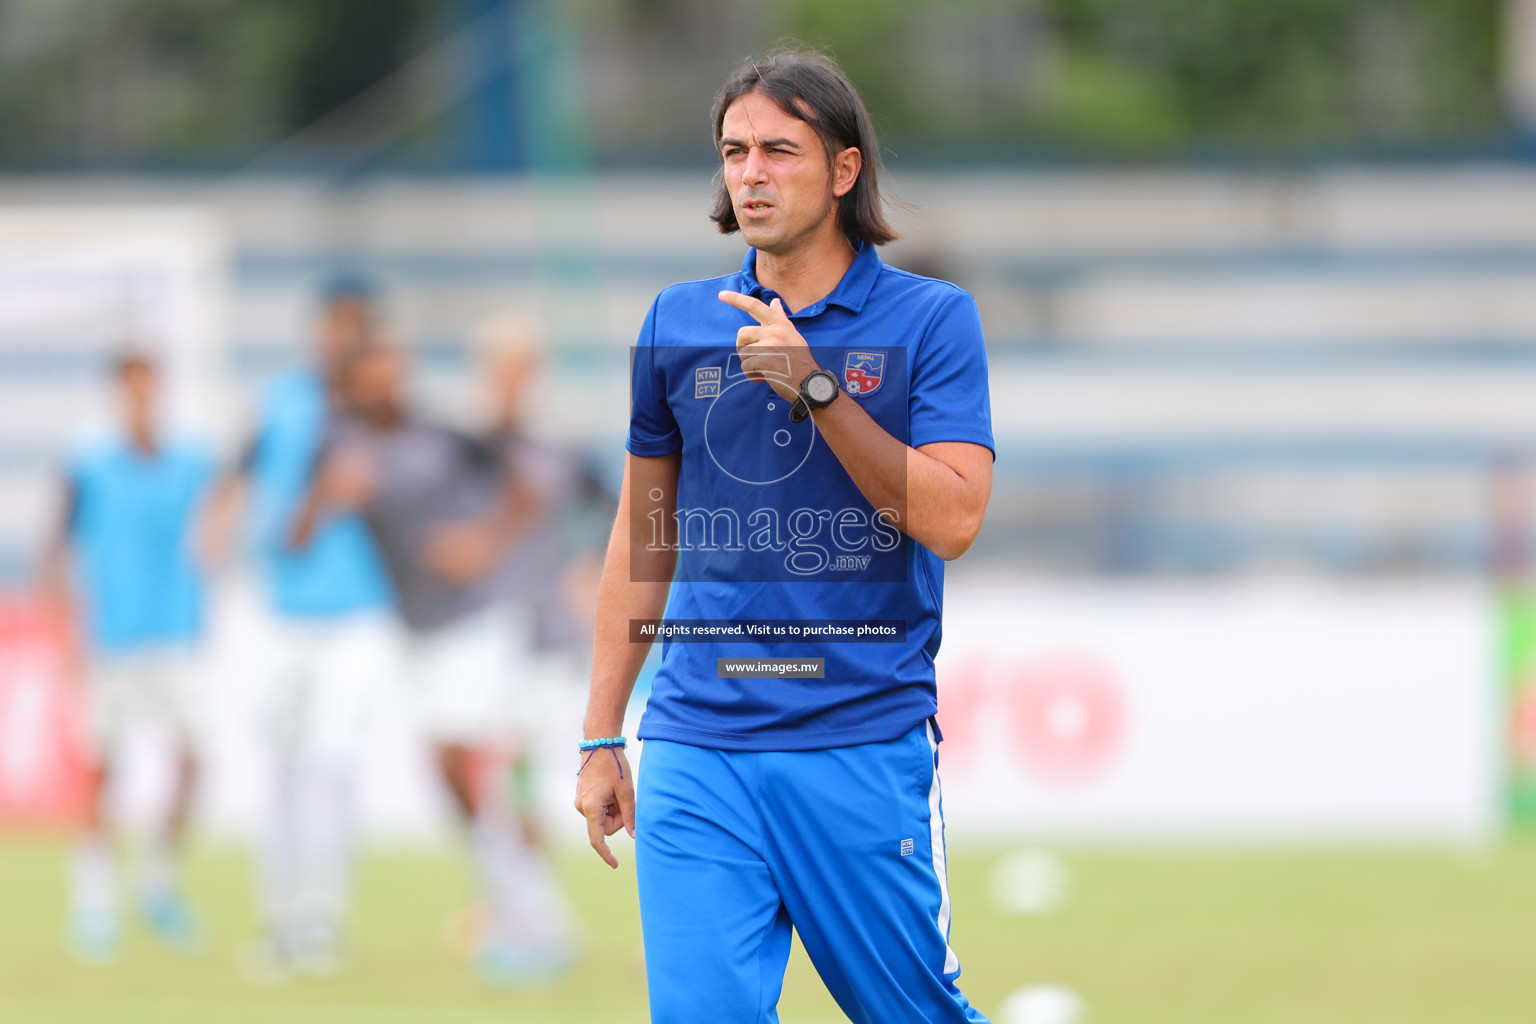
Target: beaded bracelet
x=613 y=743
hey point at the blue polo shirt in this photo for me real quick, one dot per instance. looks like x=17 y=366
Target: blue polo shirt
x=770 y=526
x=131 y=518
x=339 y=572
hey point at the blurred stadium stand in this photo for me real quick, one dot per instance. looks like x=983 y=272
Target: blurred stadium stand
x=1295 y=337
x=1195 y=371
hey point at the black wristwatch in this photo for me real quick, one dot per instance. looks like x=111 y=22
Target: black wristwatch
x=817 y=391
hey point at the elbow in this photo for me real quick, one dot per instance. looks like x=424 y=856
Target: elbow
x=958 y=536
x=952 y=548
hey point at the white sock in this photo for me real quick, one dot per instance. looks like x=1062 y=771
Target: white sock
x=325 y=843
x=527 y=904
x=307 y=853
x=278 y=848
x=93 y=877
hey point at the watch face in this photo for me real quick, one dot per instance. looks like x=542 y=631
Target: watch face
x=821 y=387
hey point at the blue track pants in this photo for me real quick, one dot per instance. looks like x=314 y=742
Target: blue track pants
x=845 y=846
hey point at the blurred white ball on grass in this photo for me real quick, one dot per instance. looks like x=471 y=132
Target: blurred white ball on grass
x=1043 y=1004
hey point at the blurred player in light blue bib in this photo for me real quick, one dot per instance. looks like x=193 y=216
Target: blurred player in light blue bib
x=335 y=647
x=122 y=551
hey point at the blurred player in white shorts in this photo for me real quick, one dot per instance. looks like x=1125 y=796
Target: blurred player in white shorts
x=462 y=681
x=120 y=564
x=161 y=683
x=444 y=509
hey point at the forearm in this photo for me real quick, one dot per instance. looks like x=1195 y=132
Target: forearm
x=302 y=530
x=214 y=530
x=624 y=594
x=344 y=482
x=615 y=661
x=225 y=501
x=605 y=792
x=932 y=503
x=53 y=577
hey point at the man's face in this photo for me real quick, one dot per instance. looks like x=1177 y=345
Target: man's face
x=139 y=383
x=509 y=376
x=776 y=170
x=344 y=325
x=373 y=382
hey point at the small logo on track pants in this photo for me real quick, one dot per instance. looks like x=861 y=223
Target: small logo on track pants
x=906 y=847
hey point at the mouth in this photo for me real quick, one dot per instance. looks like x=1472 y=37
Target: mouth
x=756 y=207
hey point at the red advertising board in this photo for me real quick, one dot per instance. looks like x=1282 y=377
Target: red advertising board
x=42 y=765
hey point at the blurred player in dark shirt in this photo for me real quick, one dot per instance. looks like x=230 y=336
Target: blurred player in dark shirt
x=445 y=508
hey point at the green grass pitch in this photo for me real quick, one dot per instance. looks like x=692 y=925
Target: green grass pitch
x=1169 y=937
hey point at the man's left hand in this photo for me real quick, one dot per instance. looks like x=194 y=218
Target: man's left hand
x=771 y=350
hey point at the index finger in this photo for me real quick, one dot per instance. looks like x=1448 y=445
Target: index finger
x=756 y=308
x=596 y=838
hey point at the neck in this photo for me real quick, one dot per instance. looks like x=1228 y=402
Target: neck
x=141 y=433
x=508 y=421
x=808 y=274
x=388 y=416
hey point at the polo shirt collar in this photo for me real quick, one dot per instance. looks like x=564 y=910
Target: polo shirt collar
x=851 y=292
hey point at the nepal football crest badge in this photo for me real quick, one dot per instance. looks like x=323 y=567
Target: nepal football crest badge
x=863 y=372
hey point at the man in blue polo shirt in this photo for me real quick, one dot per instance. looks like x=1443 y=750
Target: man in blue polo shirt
x=810 y=440
x=122 y=551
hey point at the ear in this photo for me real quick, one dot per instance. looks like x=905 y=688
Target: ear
x=845 y=170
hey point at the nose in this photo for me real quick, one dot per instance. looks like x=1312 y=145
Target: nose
x=754 y=170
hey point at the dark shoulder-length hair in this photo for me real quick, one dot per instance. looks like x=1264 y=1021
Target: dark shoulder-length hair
x=812 y=88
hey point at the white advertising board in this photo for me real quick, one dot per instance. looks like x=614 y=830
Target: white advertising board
x=1241 y=712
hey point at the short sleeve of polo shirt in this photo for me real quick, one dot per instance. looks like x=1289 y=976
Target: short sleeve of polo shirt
x=948 y=398
x=653 y=430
